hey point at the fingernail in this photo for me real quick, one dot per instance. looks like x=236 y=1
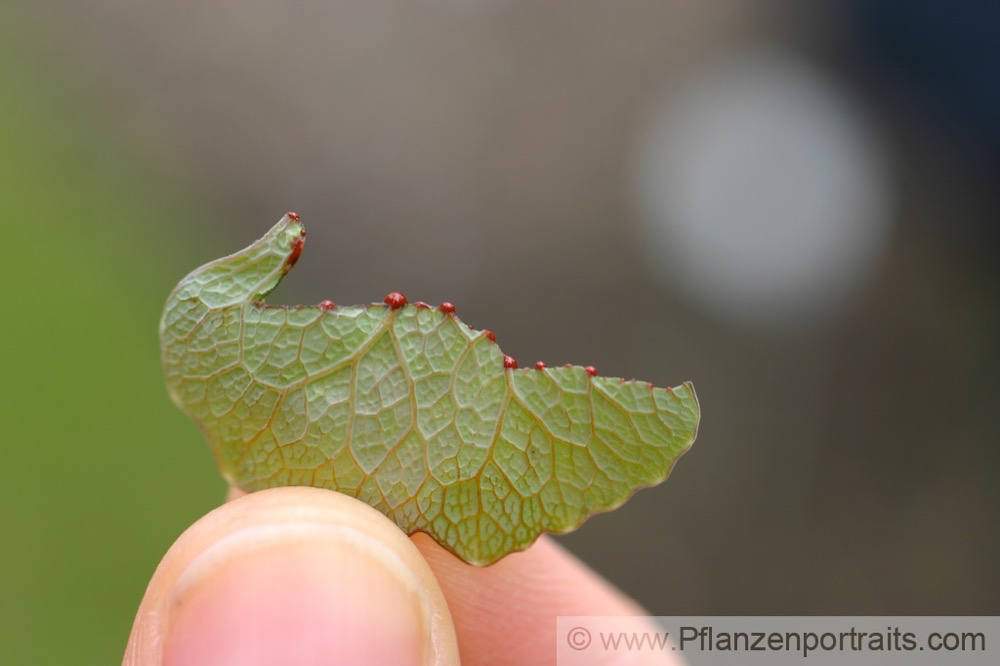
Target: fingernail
x=297 y=593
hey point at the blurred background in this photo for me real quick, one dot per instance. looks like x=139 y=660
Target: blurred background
x=792 y=204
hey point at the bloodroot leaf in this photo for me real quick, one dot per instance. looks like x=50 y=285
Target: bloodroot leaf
x=407 y=408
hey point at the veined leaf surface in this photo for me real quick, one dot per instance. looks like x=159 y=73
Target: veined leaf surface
x=407 y=408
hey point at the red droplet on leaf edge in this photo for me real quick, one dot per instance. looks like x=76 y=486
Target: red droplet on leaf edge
x=395 y=300
x=295 y=252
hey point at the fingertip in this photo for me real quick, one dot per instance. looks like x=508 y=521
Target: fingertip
x=507 y=612
x=293 y=575
x=544 y=574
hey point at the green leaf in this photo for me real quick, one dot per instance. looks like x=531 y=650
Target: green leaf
x=407 y=408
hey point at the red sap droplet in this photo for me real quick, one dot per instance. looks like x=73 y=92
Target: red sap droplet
x=509 y=362
x=422 y=305
x=296 y=251
x=327 y=305
x=591 y=370
x=490 y=335
x=540 y=365
x=292 y=215
x=395 y=300
x=447 y=308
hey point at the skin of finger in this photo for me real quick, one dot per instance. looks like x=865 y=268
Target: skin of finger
x=506 y=613
x=276 y=507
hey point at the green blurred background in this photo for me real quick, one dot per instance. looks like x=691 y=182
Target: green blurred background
x=98 y=475
x=507 y=156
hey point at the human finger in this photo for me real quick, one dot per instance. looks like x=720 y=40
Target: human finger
x=506 y=613
x=292 y=575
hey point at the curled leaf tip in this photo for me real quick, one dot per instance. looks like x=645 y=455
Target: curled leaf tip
x=407 y=408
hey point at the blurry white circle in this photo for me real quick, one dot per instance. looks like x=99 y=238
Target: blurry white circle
x=764 y=194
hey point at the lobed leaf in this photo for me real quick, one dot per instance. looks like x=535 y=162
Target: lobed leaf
x=407 y=408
